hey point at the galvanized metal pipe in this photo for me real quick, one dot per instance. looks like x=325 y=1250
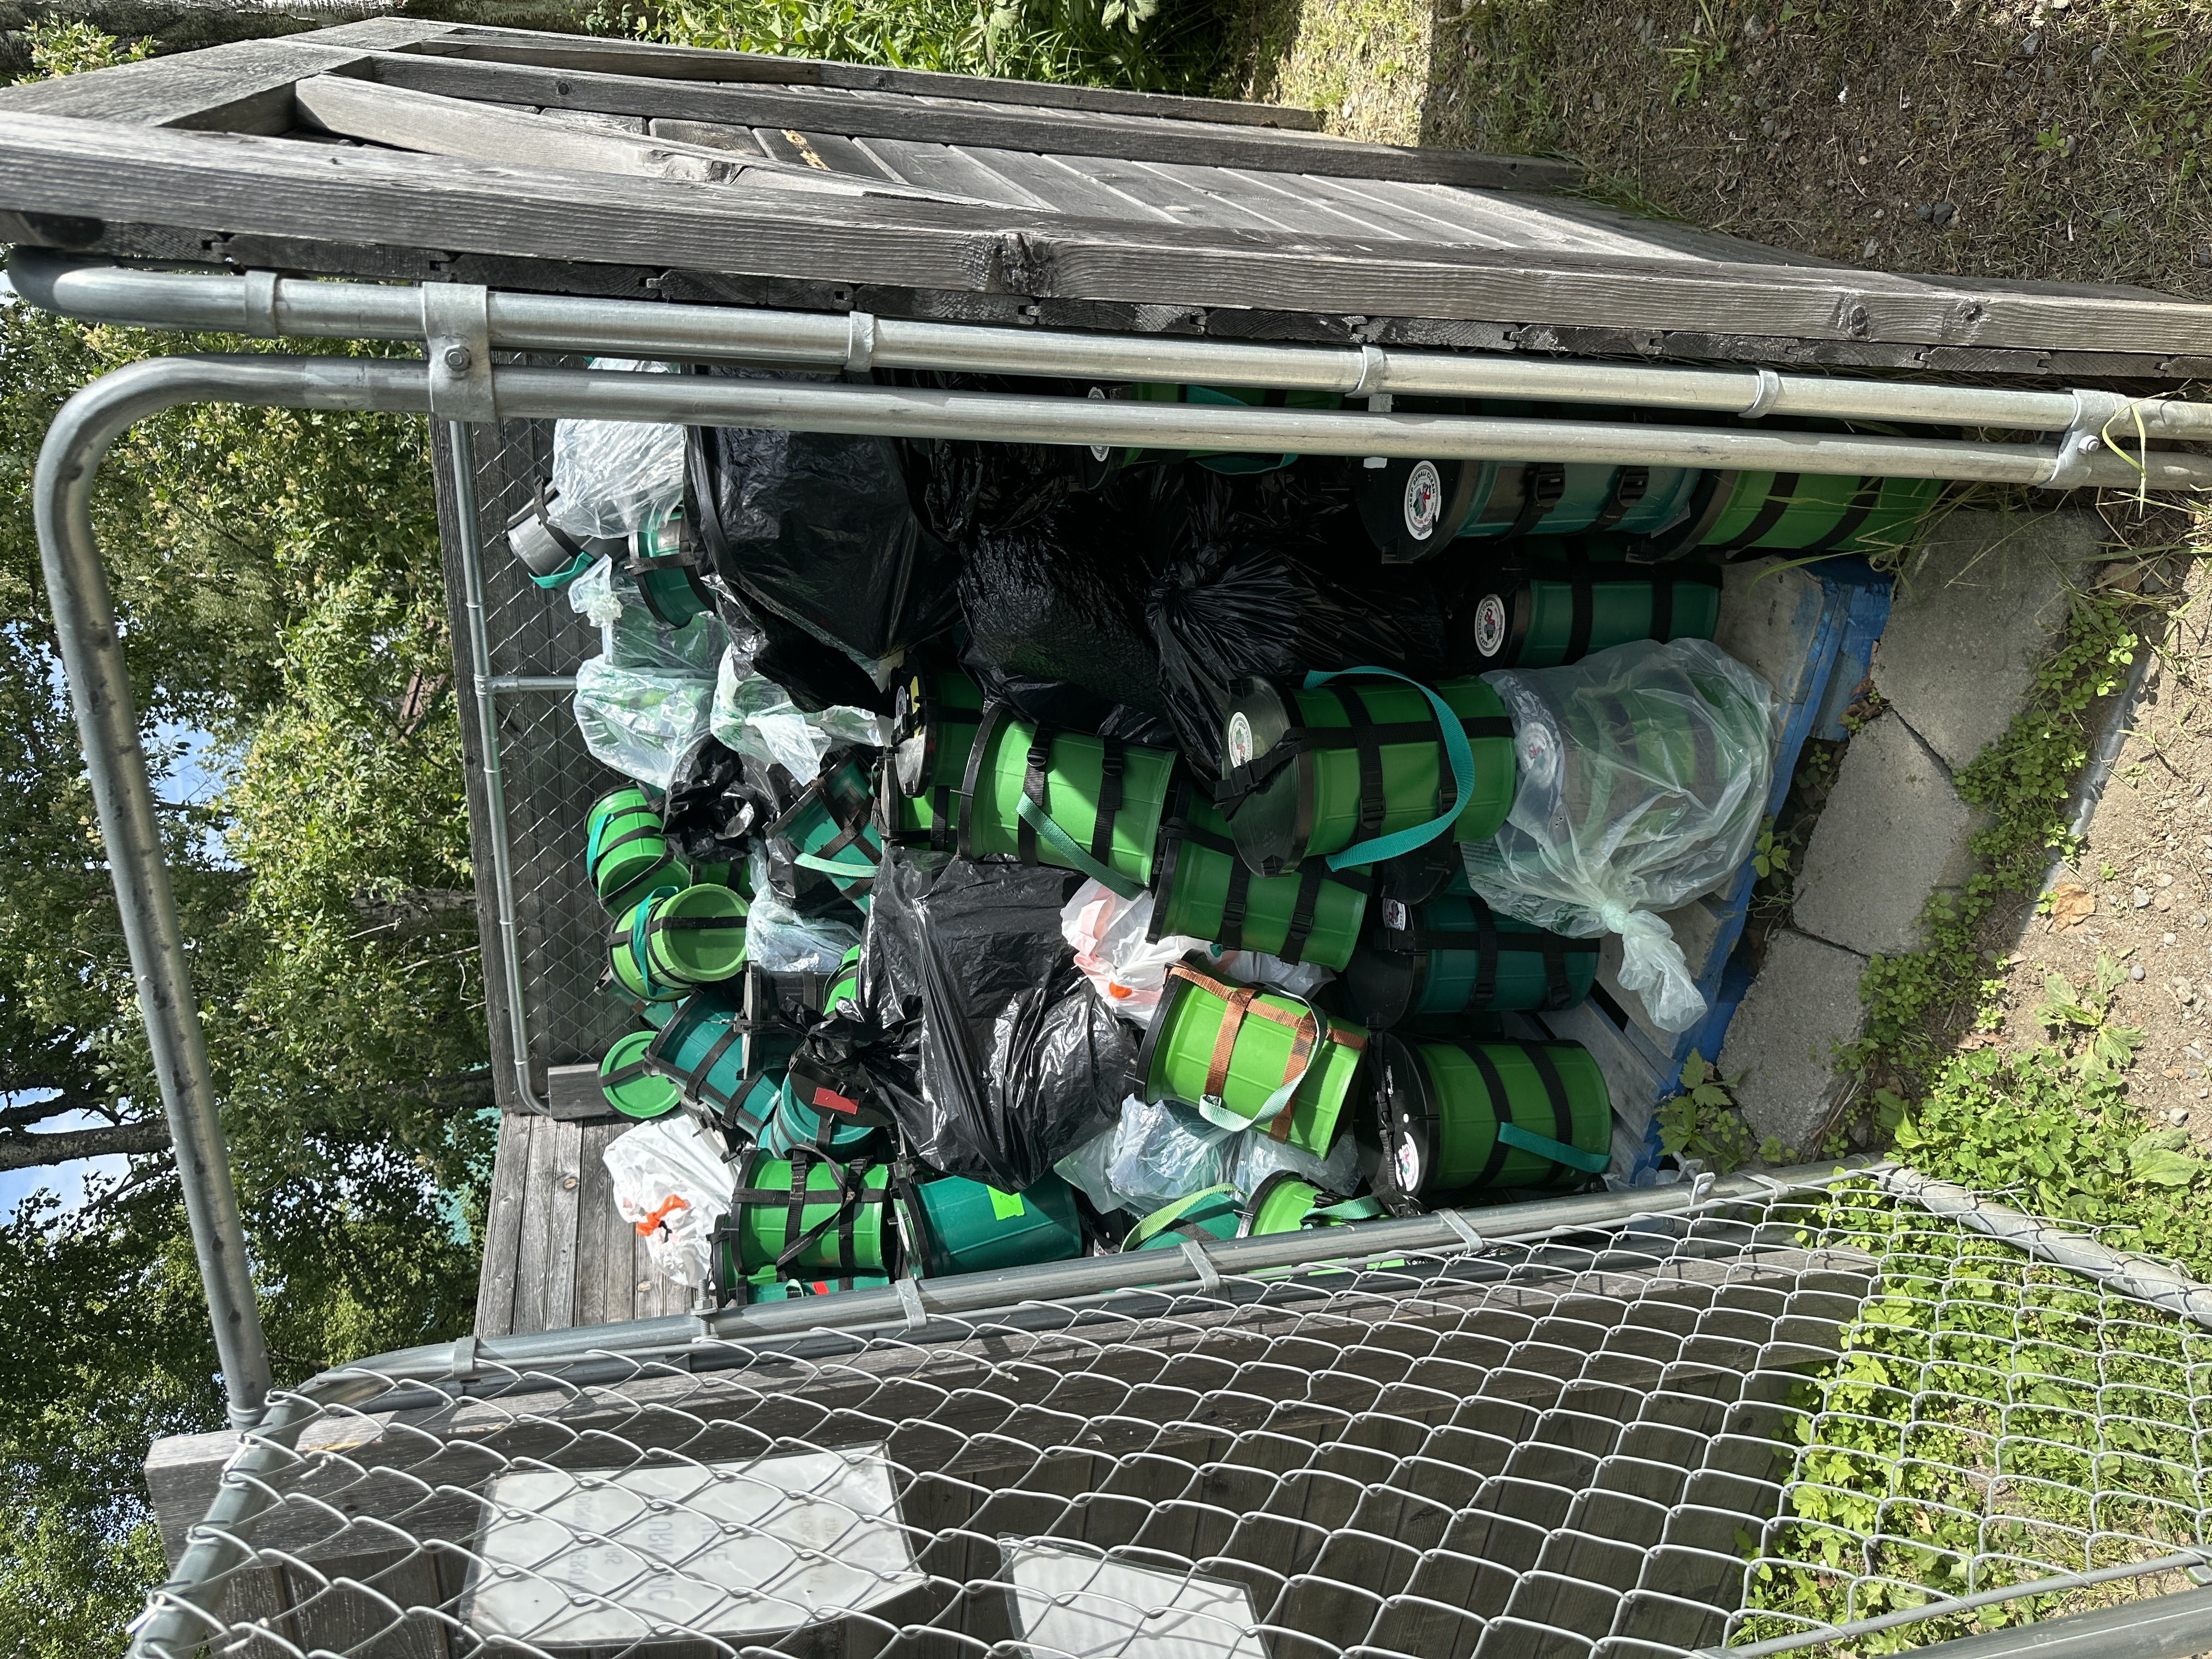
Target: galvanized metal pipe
x=2173 y=1627
x=258 y=303
x=123 y=795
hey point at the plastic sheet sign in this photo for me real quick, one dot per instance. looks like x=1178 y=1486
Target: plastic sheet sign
x=1073 y=1603
x=713 y=1549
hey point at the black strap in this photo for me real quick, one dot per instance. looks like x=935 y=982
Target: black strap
x=1110 y=801
x=1847 y=525
x=1302 y=912
x=647 y=833
x=629 y=1073
x=1557 y=995
x=1555 y=1089
x=541 y=509
x=1248 y=778
x=1662 y=608
x=1037 y=784
x=940 y=818
x=1582 y=617
x=1629 y=485
x=1234 y=904
x=1542 y=485
x=1485 y=960
x=1501 y=1110
x=1779 y=495
x=695 y=1080
x=1374 y=805
x=686 y=924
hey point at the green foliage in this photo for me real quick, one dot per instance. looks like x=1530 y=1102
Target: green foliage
x=59 y=47
x=1702 y=1121
x=1146 y=45
x=1697 y=58
x=276 y=581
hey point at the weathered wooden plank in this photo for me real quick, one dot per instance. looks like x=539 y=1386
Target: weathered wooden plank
x=533 y=1257
x=883 y=115
x=826 y=152
x=696 y=63
x=573 y=1091
x=563 y=1196
x=593 y=120
x=244 y=86
x=603 y=1281
x=1048 y=180
x=77 y=174
x=510 y=1172
x=1151 y=190
x=432 y=124
x=953 y=169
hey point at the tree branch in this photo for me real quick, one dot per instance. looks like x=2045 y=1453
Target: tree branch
x=23 y=1117
x=35 y=1152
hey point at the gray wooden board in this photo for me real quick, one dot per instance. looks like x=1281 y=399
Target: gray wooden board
x=90 y=171
x=695 y=64
x=552 y=1146
x=949 y=167
x=564 y=1219
x=243 y=86
x=1048 y=180
x=826 y=152
x=1149 y=189
x=603 y=1284
x=889 y=115
x=502 y=1245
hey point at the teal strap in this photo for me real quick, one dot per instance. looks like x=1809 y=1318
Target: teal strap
x=1457 y=747
x=1218 y=1114
x=1352 y=1209
x=1078 y=859
x=1160 y=1220
x=568 y=572
x=639 y=930
x=832 y=867
x=1559 y=1152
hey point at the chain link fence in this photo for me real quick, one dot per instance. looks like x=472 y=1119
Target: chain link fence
x=1789 y=1414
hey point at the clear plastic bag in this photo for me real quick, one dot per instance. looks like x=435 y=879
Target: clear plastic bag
x=672 y=1184
x=631 y=637
x=753 y=716
x=641 y=722
x=779 y=940
x=1128 y=971
x=1084 y=1169
x=610 y=476
x=1259 y=1155
x=1164 y=1151
x=1642 y=776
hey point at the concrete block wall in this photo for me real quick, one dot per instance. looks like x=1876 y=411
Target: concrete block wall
x=1977 y=609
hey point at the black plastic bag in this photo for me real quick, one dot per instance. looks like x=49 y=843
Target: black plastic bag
x=1069 y=707
x=821 y=529
x=814 y=676
x=974 y=1029
x=1271 y=575
x=1061 y=597
x=711 y=812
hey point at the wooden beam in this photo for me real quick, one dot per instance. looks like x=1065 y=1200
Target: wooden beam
x=430 y=124
x=243 y=87
x=641 y=58
x=66 y=178
x=891 y=115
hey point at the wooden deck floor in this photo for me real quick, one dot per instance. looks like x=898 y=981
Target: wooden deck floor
x=556 y=1252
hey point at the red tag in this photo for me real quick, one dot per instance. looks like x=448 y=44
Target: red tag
x=825 y=1101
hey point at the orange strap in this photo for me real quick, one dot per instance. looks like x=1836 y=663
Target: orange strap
x=651 y=1225
x=1244 y=999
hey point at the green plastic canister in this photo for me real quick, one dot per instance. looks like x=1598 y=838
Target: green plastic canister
x=628 y=959
x=934 y=716
x=1355 y=768
x=767 y=1288
x=631 y=1086
x=695 y=936
x=1445 y=1117
x=714 y=1062
x=1453 y=955
x=1814 y=512
x=956 y=1225
x=624 y=842
x=1414 y=509
x=1204 y=1217
x=1540 y=617
x=1287 y=1201
x=832 y=828
x=1107 y=460
x=664 y=559
x=793 y=1124
x=1245 y=1056
x=806 y=1214
x=1064 y=799
x=1202 y=889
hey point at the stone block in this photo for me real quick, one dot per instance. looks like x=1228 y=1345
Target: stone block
x=1894 y=831
x=1779 y=1057
x=1769 y=616
x=1977 y=611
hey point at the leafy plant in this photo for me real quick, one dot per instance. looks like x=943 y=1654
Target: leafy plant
x=1702 y=1121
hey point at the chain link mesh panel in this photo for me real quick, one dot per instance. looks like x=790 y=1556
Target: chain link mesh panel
x=547 y=777
x=1763 y=1420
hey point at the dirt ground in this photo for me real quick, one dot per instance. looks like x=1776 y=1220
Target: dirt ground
x=2146 y=866
x=2054 y=139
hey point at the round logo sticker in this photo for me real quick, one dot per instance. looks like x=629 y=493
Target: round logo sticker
x=1409 y=1166
x=1490 y=625
x=1425 y=500
x=1101 y=452
x=1240 y=739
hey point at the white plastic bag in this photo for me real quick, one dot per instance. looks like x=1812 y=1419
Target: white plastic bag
x=1107 y=934
x=779 y=940
x=672 y=1185
x=753 y=716
x=1164 y=1151
x=640 y=721
x=631 y=637
x=610 y=476
x=1259 y=1155
x=1641 y=780
x=1084 y=1169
